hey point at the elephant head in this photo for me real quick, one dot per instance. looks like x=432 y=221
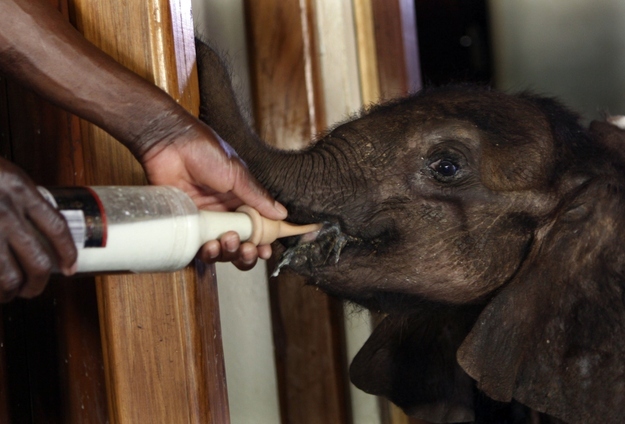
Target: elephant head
x=487 y=227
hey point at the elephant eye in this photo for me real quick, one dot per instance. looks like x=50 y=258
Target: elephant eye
x=445 y=168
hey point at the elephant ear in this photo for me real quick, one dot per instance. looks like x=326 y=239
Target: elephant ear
x=554 y=337
x=611 y=134
x=411 y=359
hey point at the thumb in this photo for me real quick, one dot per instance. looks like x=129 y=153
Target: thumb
x=249 y=190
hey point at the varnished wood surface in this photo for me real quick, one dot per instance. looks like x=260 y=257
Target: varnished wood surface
x=161 y=338
x=396 y=47
x=308 y=325
x=310 y=353
x=165 y=363
x=367 y=58
x=287 y=96
x=53 y=357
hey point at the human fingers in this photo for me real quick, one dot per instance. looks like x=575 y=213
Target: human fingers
x=35 y=260
x=228 y=173
x=264 y=251
x=226 y=249
x=229 y=249
x=25 y=264
x=210 y=252
x=53 y=227
x=10 y=274
x=247 y=257
x=34 y=237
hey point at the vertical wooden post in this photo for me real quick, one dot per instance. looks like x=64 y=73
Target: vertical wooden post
x=51 y=344
x=367 y=58
x=397 y=49
x=308 y=325
x=160 y=332
x=288 y=93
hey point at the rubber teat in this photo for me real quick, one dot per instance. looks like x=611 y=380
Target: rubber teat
x=265 y=230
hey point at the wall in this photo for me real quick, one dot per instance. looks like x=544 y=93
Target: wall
x=573 y=49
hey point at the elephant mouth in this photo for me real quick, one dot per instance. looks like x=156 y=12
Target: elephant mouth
x=314 y=250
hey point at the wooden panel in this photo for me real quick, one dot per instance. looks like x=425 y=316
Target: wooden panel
x=308 y=325
x=310 y=356
x=163 y=348
x=397 y=48
x=335 y=35
x=52 y=343
x=367 y=59
x=161 y=337
x=50 y=346
x=54 y=358
x=288 y=104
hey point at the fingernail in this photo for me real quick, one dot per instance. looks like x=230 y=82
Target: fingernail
x=280 y=208
x=71 y=270
x=212 y=249
x=231 y=246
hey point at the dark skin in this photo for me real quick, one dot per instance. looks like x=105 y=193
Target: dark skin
x=173 y=147
x=487 y=227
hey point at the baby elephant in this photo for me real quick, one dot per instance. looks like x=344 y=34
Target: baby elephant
x=488 y=228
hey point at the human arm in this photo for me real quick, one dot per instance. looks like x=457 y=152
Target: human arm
x=54 y=60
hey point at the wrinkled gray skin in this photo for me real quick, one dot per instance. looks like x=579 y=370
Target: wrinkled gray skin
x=488 y=227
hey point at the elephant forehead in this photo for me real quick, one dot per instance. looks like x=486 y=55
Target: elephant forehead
x=428 y=134
x=518 y=161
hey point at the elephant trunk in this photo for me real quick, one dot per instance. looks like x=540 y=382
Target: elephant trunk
x=289 y=175
x=313 y=180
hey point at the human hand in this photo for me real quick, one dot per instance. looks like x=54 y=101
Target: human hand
x=174 y=147
x=34 y=237
x=230 y=249
x=205 y=167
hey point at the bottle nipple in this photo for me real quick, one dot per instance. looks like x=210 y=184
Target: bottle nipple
x=265 y=230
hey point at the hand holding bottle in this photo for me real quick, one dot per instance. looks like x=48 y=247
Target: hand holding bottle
x=54 y=60
x=206 y=168
x=34 y=237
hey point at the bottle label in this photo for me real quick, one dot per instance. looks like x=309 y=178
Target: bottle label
x=82 y=209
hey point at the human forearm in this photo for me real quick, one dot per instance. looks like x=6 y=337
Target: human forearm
x=41 y=50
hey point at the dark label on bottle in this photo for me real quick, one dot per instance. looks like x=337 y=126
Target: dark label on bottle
x=84 y=213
